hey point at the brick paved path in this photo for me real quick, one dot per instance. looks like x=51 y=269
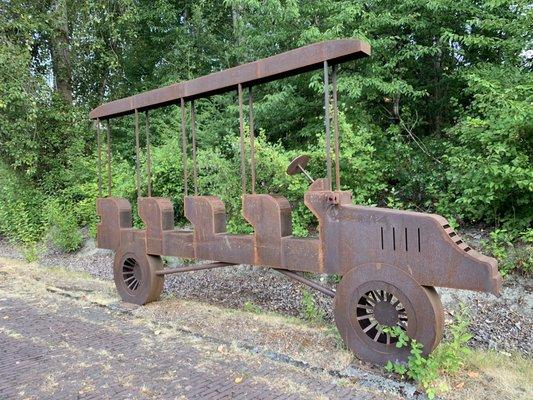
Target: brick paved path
x=52 y=347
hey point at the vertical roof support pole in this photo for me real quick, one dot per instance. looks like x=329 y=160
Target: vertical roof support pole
x=99 y=144
x=137 y=155
x=109 y=175
x=184 y=148
x=327 y=122
x=194 y=163
x=252 y=134
x=336 y=130
x=148 y=156
x=241 y=128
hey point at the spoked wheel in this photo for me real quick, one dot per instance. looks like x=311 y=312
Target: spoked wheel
x=135 y=276
x=370 y=298
x=131 y=274
x=377 y=309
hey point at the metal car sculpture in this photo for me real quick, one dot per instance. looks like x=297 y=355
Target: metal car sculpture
x=390 y=261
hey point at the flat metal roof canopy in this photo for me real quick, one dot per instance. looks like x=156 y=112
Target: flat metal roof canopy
x=279 y=66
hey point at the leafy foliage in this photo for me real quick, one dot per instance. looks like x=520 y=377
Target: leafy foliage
x=438 y=119
x=490 y=157
x=62 y=227
x=446 y=360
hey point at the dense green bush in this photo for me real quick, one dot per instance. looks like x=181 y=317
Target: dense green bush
x=62 y=226
x=489 y=167
x=20 y=208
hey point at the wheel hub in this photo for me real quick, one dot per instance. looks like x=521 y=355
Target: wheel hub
x=385 y=313
x=378 y=309
x=131 y=274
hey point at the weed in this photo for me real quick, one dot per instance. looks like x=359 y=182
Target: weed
x=30 y=252
x=447 y=359
x=250 y=307
x=312 y=312
x=334 y=278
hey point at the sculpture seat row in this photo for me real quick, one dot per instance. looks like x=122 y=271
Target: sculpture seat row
x=271 y=244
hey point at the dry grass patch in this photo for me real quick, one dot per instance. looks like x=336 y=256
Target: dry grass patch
x=491 y=375
x=288 y=335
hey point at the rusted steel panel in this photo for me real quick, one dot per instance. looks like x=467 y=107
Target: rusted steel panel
x=421 y=244
x=324 y=204
x=178 y=243
x=158 y=216
x=301 y=254
x=207 y=214
x=115 y=216
x=281 y=65
x=271 y=218
x=416 y=242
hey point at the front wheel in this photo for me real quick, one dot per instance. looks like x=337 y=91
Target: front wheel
x=373 y=296
x=135 y=276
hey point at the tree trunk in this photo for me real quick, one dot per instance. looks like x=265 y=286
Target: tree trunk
x=60 y=50
x=437 y=94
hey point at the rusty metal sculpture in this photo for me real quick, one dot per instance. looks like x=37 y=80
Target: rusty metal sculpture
x=390 y=261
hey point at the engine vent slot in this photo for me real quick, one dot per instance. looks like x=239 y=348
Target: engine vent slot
x=454 y=236
x=399 y=242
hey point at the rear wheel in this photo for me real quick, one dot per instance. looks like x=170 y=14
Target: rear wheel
x=135 y=276
x=372 y=297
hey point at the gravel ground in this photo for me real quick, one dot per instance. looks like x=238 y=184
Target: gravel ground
x=502 y=323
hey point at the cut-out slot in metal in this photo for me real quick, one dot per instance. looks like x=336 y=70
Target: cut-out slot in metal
x=382 y=238
x=446 y=226
x=419 y=240
x=406 y=246
x=394 y=239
